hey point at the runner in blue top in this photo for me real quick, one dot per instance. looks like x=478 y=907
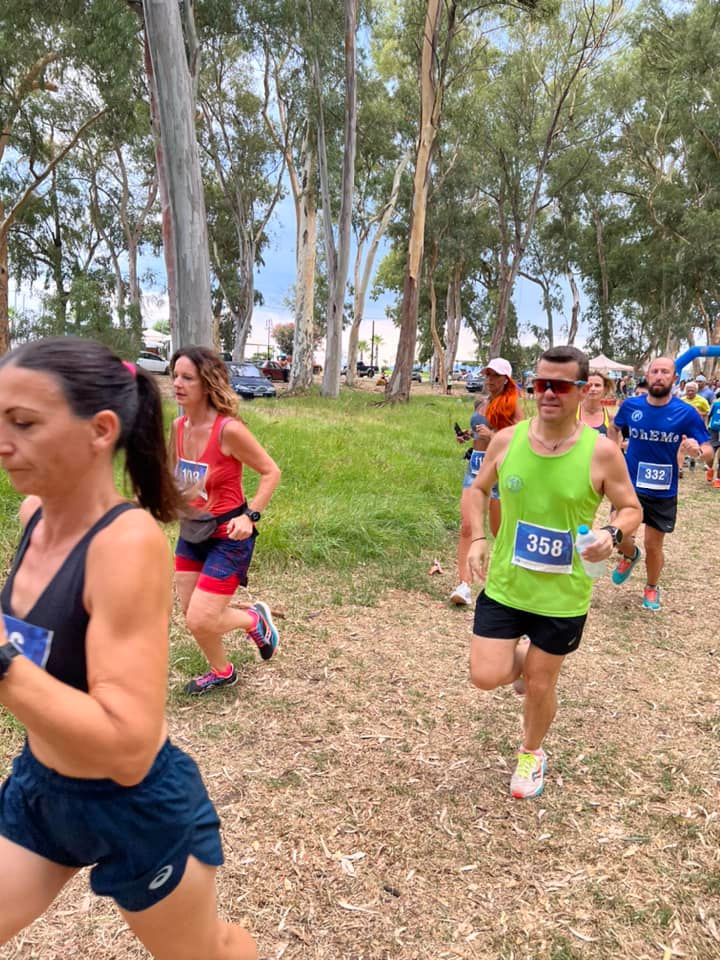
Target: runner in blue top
x=658 y=424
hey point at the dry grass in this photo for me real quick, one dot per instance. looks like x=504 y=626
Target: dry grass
x=362 y=784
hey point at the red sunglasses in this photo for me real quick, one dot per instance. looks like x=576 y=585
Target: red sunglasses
x=541 y=384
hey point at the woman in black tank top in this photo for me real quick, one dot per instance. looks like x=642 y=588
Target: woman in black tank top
x=83 y=660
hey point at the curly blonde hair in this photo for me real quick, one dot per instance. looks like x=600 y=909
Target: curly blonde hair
x=213 y=375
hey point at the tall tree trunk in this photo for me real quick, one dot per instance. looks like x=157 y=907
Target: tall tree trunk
x=438 y=349
x=304 y=338
x=604 y=285
x=398 y=387
x=243 y=317
x=4 y=289
x=453 y=318
x=575 y=313
x=333 y=343
x=182 y=167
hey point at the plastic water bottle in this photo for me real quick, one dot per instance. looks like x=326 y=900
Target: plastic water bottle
x=585 y=537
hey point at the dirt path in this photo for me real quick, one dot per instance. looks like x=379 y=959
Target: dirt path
x=363 y=785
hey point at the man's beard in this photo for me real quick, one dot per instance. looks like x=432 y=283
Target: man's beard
x=658 y=390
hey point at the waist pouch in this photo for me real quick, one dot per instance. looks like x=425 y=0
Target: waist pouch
x=200 y=528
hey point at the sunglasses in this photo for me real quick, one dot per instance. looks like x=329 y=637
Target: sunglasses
x=541 y=384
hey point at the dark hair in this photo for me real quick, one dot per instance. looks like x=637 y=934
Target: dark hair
x=642 y=382
x=92 y=378
x=568 y=354
x=213 y=373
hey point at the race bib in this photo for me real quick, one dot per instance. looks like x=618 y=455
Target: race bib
x=654 y=476
x=542 y=549
x=476 y=459
x=192 y=477
x=33 y=642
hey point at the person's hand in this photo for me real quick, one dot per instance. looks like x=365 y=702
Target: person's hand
x=601 y=549
x=691 y=447
x=240 y=528
x=483 y=432
x=478 y=560
x=463 y=437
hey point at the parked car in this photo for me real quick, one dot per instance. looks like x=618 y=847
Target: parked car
x=417 y=376
x=248 y=382
x=363 y=369
x=153 y=362
x=475 y=383
x=275 y=371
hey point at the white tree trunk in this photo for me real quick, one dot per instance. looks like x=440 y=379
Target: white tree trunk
x=186 y=200
x=453 y=320
x=333 y=348
x=304 y=339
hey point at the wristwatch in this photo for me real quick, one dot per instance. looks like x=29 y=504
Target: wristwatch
x=616 y=534
x=7 y=654
x=254 y=515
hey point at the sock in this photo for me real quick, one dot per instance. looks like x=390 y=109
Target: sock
x=227 y=672
x=256 y=616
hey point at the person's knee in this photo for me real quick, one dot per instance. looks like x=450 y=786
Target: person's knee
x=235 y=943
x=200 y=623
x=485 y=679
x=539 y=686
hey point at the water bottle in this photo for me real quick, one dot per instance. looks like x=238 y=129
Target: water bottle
x=584 y=538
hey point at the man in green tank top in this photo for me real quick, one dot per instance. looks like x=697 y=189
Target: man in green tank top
x=552 y=472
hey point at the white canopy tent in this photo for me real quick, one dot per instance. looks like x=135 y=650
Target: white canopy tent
x=605 y=365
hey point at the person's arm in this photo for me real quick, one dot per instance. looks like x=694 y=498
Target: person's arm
x=172 y=447
x=610 y=477
x=239 y=443
x=479 y=499
x=113 y=730
x=696 y=439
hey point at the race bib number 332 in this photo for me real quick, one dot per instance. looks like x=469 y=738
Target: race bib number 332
x=542 y=549
x=654 y=476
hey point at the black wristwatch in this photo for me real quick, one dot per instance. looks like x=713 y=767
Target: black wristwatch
x=616 y=534
x=7 y=654
x=254 y=515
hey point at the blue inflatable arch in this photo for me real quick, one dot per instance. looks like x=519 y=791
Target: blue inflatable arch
x=685 y=358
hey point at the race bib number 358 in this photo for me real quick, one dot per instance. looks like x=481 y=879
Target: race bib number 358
x=542 y=549
x=33 y=642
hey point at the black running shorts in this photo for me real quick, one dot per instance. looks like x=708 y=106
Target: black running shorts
x=555 y=635
x=659 y=514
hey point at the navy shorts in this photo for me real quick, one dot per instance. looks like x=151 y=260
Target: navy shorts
x=136 y=839
x=223 y=564
x=659 y=513
x=555 y=635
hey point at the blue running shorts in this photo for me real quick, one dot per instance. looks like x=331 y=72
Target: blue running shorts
x=136 y=839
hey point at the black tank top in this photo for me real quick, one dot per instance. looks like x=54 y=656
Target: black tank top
x=59 y=610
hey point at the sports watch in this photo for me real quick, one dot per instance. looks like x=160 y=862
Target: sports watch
x=7 y=654
x=254 y=515
x=616 y=534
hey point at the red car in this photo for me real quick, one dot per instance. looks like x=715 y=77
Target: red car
x=275 y=371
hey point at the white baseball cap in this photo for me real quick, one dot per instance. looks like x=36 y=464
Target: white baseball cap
x=499 y=366
x=700 y=379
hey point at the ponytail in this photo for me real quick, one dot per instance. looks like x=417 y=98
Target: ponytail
x=146 y=454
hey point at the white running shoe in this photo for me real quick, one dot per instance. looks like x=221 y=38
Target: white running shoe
x=529 y=777
x=461 y=595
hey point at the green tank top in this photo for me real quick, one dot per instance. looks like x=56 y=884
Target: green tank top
x=534 y=565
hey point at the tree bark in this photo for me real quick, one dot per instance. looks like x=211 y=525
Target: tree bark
x=438 y=348
x=333 y=343
x=398 y=388
x=604 y=284
x=4 y=289
x=575 y=313
x=175 y=102
x=301 y=372
x=453 y=318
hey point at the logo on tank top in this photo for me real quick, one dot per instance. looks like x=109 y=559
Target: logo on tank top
x=161 y=878
x=636 y=416
x=514 y=484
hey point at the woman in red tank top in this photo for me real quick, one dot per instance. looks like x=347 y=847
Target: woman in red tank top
x=210 y=447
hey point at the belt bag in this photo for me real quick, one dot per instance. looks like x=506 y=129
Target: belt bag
x=198 y=529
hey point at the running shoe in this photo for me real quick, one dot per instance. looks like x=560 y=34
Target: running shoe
x=710 y=474
x=461 y=595
x=529 y=777
x=210 y=681
x=651 y=598
x=625 y=567
x=264 y=633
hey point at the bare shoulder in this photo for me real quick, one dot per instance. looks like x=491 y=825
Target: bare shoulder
x=27 y=508
x=502 y=438
x=606 y=451
x=133 y=534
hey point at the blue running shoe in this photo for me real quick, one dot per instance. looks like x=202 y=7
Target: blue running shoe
x=265 y=632
x=625 y=567
x=651 y=598
x=210 y=681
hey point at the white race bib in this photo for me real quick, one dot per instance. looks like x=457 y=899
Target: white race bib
x=654 y=476
x=192 y=477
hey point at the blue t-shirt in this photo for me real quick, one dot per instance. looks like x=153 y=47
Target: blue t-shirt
x=655 y=434
x=714 y=416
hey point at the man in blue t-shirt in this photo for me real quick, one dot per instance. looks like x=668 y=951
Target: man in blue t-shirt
x=657 y=424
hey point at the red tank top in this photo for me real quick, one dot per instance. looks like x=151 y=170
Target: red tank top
x=214 y=480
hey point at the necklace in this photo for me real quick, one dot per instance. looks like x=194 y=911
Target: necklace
x=558 y=443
